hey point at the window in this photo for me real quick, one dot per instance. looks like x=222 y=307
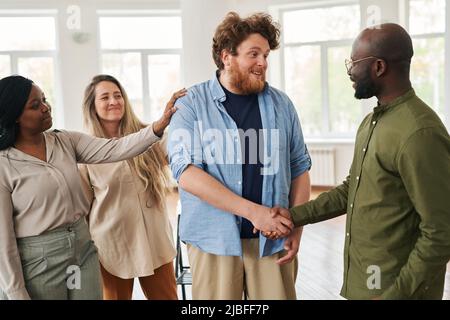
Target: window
x=316 y=41
x=144 y=52
x=427 y=28
x=30 y=54
x=5 y=65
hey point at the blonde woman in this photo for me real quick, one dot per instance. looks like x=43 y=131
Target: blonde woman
x=128 y=218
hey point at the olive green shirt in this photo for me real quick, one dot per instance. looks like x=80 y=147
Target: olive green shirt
x=397 y=200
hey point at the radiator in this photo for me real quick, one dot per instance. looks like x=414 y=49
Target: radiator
x=323 y=166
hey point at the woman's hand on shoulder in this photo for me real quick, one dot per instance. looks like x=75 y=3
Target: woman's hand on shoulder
x=160 y=125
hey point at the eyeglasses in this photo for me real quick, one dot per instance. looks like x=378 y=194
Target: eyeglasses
x=349 y=63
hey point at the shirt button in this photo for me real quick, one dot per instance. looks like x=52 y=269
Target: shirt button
x=348 y=234
x=364 y=149
x=69 y=229
x=351 y=205
x=357 y=178
x=239 y=182
x=374 y=122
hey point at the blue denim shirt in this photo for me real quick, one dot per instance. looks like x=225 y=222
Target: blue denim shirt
x=203 y=134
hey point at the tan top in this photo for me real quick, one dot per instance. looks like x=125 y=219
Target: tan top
x=133 y=236
x=37 y=196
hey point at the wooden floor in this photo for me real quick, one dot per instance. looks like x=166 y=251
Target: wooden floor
x=320 y=258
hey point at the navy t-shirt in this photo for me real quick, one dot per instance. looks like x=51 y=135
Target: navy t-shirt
x=244 y=110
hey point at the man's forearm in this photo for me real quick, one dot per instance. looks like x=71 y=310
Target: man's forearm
x=300 y=190
x=300 y=193
x=326 y=206
x=204 y=186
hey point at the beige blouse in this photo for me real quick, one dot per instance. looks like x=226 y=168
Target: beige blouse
x=133 y=236
x=37 y=196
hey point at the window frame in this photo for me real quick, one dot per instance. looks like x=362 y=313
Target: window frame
x=404 y=8
x=143 y=53
x=326 y=134
x=15 y=55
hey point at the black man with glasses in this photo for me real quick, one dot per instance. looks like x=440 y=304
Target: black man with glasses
x=397 y=195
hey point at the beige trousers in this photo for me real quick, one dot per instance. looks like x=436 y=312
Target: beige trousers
x=231 y=278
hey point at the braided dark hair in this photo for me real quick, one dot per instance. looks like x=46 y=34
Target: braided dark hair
x=14 y=93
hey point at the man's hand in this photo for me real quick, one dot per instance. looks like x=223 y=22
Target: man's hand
x=280 y=211
x=277 y=211
x=270 y=222
x=291 y=245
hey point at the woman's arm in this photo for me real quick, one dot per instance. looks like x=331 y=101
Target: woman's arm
x=90 y=149
x=12 y=282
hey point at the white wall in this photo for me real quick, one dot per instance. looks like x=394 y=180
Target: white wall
x=198 y=64
x=78 y=61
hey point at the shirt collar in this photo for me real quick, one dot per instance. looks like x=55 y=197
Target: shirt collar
x=383 y=107
x=216 y=89
x=49 y=143
x=15 y=154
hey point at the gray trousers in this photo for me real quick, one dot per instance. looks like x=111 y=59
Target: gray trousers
x=61 y=264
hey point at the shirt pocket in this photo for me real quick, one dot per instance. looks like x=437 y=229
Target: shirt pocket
x=125 y=173
x=105 y=175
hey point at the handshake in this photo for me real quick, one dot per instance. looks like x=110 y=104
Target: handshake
x=274 y=223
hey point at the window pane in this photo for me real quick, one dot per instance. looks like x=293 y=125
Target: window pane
x=5 y=66
x=140 y=32
x=427 y=72
x=126 y=68
x=27 y=33
x=345 y=110
x=164 y=79
x=41 y=71
x=302 y=83
x=321 y=24
x=426 y=16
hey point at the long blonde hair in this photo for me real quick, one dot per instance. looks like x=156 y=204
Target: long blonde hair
x=149 y=166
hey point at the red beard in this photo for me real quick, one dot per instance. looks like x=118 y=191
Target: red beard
x=244 y=82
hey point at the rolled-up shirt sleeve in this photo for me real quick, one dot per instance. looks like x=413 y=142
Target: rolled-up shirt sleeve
x=184 y=140
x=12 y=282
x=300 y=160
